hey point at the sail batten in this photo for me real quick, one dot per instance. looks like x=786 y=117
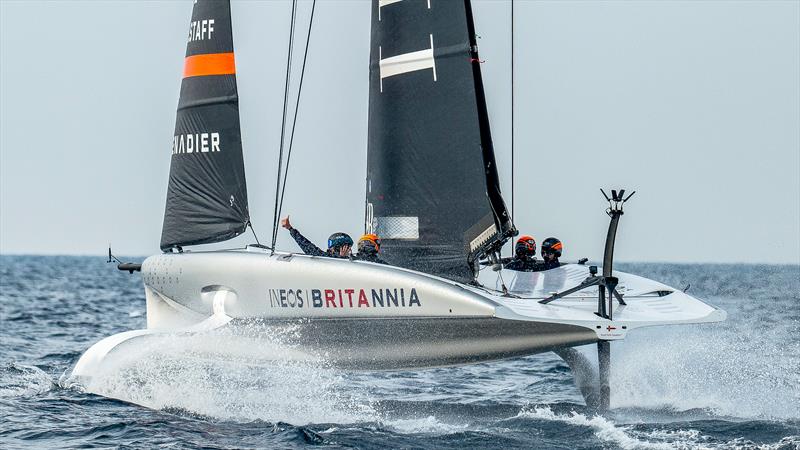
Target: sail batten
x=407 y=62
x=432 y=189
x=207 y=193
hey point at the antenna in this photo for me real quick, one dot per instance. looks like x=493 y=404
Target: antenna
x=616 y=201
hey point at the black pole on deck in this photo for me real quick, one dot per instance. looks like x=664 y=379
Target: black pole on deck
x=606 y=292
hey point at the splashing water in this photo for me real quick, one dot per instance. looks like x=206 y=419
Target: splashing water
x=229 y=375
x=730 y=385
x=23 y=381
x=746 y=367
x=735 y=371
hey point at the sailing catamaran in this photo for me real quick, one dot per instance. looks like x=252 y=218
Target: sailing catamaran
x=432 y=195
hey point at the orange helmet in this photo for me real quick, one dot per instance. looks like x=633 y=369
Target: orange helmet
x=369 y=243
x=526 y=247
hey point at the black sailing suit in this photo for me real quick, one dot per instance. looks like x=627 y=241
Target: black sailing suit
x=531 y=265
x=308 y=247
x=523 y=265
x=370 y=257
x=547 y=265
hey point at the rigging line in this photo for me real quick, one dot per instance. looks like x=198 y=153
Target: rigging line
x=296 y=107
x=250 y=224
x=512 y=119
x=275 y=217
x=512 y=110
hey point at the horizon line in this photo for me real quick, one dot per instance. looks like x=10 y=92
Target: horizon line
x=751 y=263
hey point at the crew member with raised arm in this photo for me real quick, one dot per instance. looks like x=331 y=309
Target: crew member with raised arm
x=339 y=244
x=524 y=255
x=369 y=247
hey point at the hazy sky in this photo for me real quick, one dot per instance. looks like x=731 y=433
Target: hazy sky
x=696 y=105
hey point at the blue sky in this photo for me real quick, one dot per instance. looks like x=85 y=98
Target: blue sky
x=694 y=104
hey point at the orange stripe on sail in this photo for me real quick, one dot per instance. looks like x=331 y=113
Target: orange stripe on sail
x=209 y=64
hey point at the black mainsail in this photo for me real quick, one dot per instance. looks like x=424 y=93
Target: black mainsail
x=207 y=194
x=433 y=192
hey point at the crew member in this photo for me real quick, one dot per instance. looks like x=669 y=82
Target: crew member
x=369 y=247
x=524 y=255
x=339 y=244
x=551 y=251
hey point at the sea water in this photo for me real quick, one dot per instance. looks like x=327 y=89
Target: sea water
x=729 y=385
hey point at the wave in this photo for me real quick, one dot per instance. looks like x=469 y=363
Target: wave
x=631 y=436
x=23 y=381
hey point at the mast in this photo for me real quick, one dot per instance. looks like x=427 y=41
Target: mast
x=433 y=192
x=207 y=193
x=505 y=228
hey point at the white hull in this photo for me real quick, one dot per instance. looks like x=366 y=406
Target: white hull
x=369 y=316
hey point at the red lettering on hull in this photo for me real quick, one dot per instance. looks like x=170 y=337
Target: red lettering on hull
x=362 y=299
x=330 y=298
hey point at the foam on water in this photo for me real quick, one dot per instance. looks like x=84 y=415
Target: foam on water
x=23 y=381
x=427 y=424
x=628 y=437
x=228 y=377
x=603 y=428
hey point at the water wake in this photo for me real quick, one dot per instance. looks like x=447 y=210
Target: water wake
x=735 y=370
x=229 y=375
x=631 y=436
x=603 y=428
x=23 y=381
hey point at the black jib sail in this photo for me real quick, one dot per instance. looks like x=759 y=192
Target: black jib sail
x=433 y=192
x=207 y=194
